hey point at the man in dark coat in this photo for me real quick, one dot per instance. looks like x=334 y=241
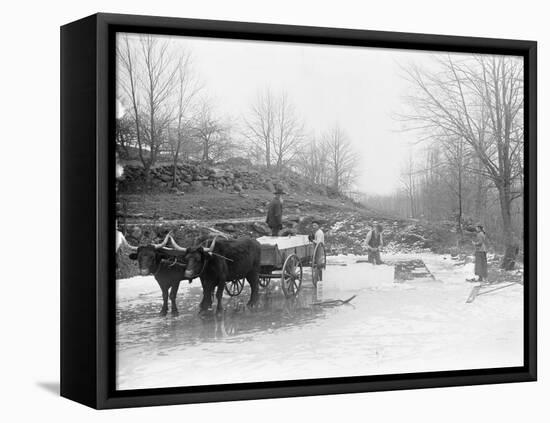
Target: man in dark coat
x=275 y=213
x=374 y=243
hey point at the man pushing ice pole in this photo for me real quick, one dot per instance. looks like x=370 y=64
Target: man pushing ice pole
x=374 y=242
x=275 y=212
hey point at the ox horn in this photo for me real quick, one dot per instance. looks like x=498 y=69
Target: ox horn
x=176 y=246
x=163 y=243
x=211 y=248
x=123 y=242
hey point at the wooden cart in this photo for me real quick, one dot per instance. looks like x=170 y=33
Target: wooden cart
x=284 y=258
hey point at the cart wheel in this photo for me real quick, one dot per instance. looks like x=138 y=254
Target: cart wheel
x=318 y=263
x=264 y=282
x=234 y=288
x=291 y=276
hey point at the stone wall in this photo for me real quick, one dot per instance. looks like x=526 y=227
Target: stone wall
x=196 y=176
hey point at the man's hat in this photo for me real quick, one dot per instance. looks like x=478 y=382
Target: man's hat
x=279 y=191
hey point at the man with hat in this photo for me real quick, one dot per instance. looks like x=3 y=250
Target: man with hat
x=480 y=244
x=275 y=212
x=374 y=243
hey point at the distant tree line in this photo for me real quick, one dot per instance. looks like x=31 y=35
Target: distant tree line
x=166 y=115
x=469 y=113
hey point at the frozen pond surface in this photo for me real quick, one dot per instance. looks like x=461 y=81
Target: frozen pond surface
x=422 y=325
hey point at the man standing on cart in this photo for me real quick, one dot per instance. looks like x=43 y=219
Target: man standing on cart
x=275 y=212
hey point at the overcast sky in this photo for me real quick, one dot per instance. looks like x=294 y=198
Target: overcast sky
x=358 y=88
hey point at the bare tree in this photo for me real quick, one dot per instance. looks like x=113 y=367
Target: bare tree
x=148 y=77
x=160 y=78
x=456 y=161
x=212 y=135
x=408 y=179
x=288 y=135
x=314 y=162
x=342 y=160
x=125 y=135
x=274 y=128
x=479 y=100
x=260 y=125
x=187 y=89
x=127 y=79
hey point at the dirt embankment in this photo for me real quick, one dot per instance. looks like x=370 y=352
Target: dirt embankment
x=193 y=217
x=346 y=225
x=233 y=202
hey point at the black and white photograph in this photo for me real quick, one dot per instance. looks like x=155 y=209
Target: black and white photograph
x=271 y=212
x=290 y=211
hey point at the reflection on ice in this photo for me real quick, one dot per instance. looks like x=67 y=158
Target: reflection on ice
x=139 y=324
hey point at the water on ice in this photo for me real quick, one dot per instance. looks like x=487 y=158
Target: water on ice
x=417 y=326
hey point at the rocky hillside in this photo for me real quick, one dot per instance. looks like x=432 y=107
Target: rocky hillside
x=233 y=202
x=345 y=232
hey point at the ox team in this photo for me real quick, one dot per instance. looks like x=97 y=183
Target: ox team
x=224 y=260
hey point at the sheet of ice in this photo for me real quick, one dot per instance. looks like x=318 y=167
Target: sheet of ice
x=371 y=276
x=422 y=325
x=284 y=241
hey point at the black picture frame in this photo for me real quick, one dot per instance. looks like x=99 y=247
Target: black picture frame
x=87 y=214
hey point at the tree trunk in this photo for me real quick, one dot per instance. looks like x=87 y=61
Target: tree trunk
x=205 y=152
x=480 y=199
x=175 y=165
x=147 y=171
x=459 y=218
x=411 y=194
x=510 y=246
x=336 y=175
x=279 y=162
